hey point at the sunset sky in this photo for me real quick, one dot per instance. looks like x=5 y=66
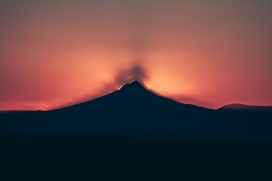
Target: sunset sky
x=208 y=53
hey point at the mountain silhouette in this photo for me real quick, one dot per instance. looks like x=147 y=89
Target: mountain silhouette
x=133 y=96
x=243 y=107
x=136 y=111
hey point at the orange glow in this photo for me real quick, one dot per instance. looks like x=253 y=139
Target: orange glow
x=211 y=53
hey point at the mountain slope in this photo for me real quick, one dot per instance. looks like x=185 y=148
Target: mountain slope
x=135 y=111
x=243 y=107
x=133 y=96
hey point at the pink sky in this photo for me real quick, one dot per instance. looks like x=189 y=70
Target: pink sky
x=208 y=53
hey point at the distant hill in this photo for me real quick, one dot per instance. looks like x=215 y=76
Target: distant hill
x=244 y=107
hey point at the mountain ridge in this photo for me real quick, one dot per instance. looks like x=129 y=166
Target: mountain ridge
x=136 y=87
x=133 y=95
x=239 y=106
x=135 y=111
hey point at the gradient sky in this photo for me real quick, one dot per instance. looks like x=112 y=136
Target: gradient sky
x=209 y=53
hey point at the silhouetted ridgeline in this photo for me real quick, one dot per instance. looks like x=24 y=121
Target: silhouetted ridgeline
x=134 y=111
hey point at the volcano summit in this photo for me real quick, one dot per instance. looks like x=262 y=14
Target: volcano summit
x=133 y=96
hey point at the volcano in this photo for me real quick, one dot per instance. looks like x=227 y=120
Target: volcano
x=133 y=96
x=133 y=110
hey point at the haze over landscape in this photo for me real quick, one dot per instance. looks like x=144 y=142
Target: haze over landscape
x=208 y=53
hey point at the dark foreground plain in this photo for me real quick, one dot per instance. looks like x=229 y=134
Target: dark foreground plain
x=82 y=158
x=140 y=136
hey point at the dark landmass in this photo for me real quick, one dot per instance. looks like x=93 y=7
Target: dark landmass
x=134 y=134
x=101 y=158
x=243 y=107
x=137 y=112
